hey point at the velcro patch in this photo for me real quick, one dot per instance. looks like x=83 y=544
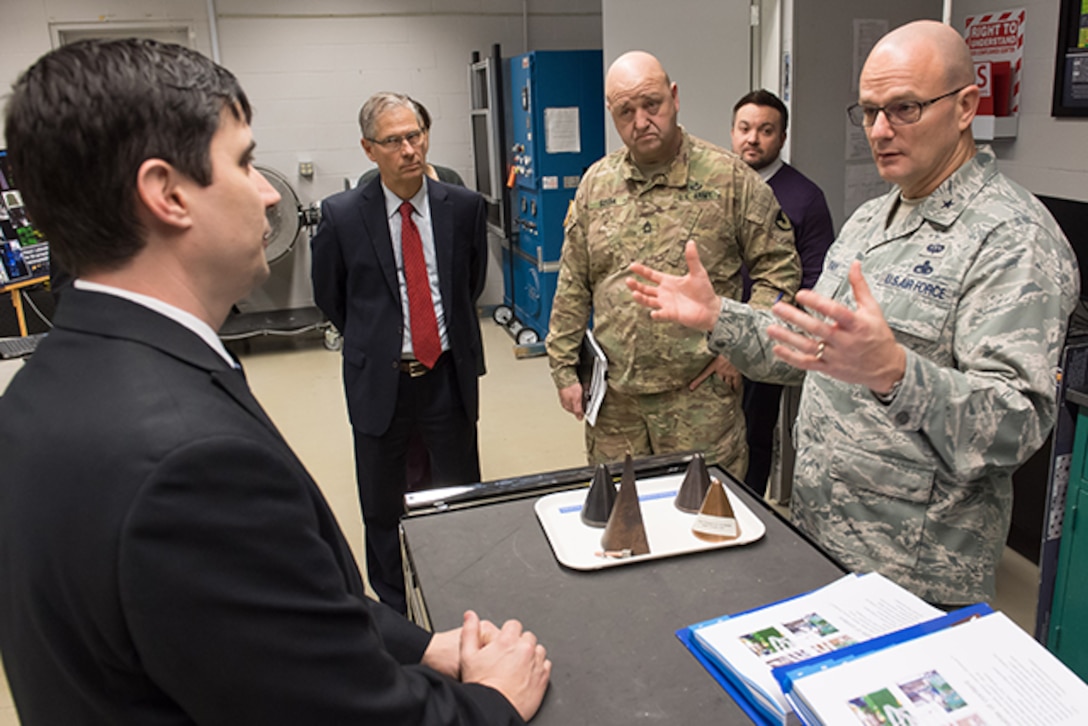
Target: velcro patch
x=783 y=222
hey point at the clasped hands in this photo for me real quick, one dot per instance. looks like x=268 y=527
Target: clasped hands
x=854 y=346
x=508 y=659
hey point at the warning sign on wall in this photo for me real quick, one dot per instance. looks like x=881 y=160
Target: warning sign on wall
x=996 y=41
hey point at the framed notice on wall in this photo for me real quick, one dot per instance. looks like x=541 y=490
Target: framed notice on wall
x=1071 y=66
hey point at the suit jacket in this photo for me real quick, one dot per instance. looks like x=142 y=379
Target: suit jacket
x=355 y=285
x=166 y=559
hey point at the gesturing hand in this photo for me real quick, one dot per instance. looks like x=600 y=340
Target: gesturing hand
x=689 y=300
x=855 y=346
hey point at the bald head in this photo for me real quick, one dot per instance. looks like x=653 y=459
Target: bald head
x=631 y=69
x=919 y=97
x=947 y=55
x=644 y=103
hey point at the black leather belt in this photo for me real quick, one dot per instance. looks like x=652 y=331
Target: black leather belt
x=415 y=369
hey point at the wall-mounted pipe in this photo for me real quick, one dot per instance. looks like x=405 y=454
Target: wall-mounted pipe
x=213 y=29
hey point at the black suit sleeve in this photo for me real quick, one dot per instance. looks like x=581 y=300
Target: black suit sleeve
x=242 y=609
x=479 y=249
x=478 y=273
x=328 y=270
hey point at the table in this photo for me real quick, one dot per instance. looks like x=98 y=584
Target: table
x=16 y=297
x=610 y=633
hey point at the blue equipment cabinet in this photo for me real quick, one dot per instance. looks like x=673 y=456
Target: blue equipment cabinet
x=557 y=131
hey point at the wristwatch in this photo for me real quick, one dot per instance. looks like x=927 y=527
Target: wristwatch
x=888 y=397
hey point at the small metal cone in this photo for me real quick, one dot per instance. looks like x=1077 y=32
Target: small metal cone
x=693 y=489
x=625 y=530
x=600 y=498
x=716 y=505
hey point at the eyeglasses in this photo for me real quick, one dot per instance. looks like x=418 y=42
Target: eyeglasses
x=414 y=139
x=900 y=113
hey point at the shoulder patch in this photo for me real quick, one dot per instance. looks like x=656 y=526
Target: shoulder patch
x=783 y=222
x=570 y=214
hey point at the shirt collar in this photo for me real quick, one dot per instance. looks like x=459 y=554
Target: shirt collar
x=945 y=203
x=771 y=169
x=181 y=317
x=393 y=202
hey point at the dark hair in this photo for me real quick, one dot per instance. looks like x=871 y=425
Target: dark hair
x=763 y=97
x=424 y=116
x=82 y=120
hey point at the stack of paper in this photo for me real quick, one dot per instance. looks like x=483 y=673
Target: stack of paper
x=957 y=671
x=863 y=651
x=747 y=646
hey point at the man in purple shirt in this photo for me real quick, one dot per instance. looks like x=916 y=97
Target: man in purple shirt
x=758 y=133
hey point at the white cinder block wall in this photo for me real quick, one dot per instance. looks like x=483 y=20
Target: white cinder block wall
x=308 y=67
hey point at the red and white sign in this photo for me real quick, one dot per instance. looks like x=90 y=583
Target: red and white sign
x=996 y=41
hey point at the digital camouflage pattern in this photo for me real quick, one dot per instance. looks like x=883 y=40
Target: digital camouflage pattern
x=619 y=216
x=977 y=283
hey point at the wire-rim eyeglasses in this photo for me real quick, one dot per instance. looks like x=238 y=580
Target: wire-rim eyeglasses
x=898 y=113
x=414 y=139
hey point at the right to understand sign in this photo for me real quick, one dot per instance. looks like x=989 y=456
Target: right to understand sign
x=996 y=41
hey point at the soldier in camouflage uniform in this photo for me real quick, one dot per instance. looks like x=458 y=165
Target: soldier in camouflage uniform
x=643 y=203
x=931 y=383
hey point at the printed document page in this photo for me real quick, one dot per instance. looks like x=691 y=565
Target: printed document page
x=850 y=610
x=983 y=672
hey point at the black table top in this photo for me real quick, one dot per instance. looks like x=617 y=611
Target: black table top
x=610 y=633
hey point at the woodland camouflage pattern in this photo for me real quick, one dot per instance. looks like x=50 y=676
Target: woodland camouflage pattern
x=618 y=217
x=977 y=283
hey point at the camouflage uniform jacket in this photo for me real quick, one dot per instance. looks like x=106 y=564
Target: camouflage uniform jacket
x=618 y=216
x=977 y=283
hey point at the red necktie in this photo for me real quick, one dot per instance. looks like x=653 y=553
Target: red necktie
x=425 y=341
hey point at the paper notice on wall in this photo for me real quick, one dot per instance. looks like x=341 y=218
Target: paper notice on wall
x=866 y=34
x=863 y=183
x=996 y=41
x=857 y=142
x=561 y=131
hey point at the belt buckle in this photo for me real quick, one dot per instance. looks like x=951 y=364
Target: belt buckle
x=416 y=369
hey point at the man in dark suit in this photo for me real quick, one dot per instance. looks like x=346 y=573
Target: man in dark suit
x=397 y=267
x=165 y=557
x=758 y=133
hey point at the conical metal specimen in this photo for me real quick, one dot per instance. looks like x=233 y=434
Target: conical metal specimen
x=716 y=521
x=625 y=530
x=599 y=499
x=693 y=490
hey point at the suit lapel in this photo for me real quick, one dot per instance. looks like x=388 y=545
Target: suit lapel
x=442 y=227
x=234 y=383
x=376 y=232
